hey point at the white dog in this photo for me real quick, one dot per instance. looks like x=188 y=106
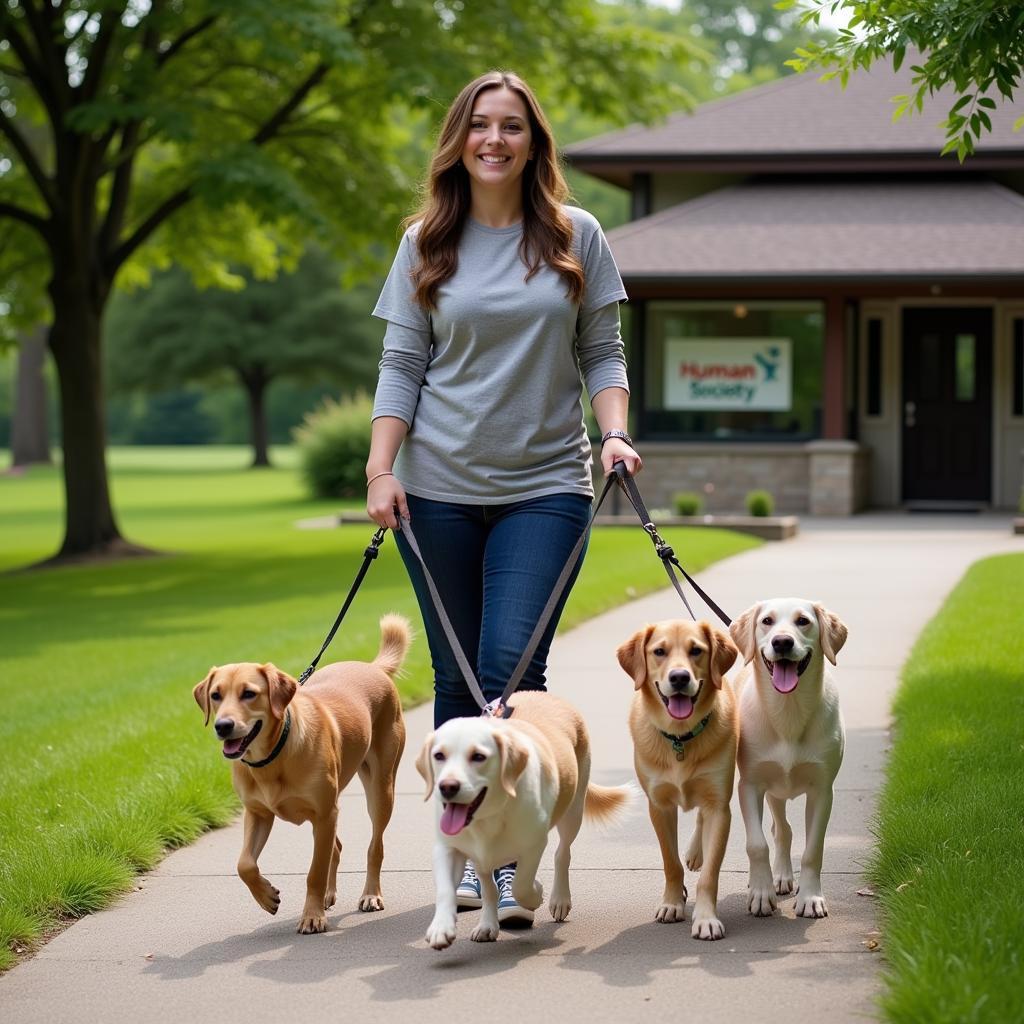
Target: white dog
x=791 y=742
x=502 y=785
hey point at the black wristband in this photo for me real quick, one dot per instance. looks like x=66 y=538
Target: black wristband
x=618 y=433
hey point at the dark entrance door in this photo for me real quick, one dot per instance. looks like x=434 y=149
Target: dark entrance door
x=947 y=405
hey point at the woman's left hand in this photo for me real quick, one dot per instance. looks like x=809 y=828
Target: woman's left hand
x=616 y=450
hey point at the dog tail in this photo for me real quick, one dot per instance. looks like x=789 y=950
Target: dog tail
x=605 y=804
x=395 y=636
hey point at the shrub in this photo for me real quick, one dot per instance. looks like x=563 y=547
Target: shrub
x=334 y=441
x=686 y=503
x=760 y=503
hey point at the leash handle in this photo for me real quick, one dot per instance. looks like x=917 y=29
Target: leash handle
x=371 y=552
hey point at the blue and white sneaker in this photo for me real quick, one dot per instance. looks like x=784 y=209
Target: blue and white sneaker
x=510 y=914
x=467 y=894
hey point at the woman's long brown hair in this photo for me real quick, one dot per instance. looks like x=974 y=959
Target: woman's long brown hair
x=547 y=228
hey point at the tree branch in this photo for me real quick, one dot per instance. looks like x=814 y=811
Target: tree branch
x=178 y=199
x=31 y=161
x=99 y=51
x=190 y=33
x=19 y=213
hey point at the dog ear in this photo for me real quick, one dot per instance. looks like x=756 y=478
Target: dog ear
x=832 y=630
x=632 y=655
x=281 y=688
x=201 y=692
x=425 y=765
x=722 y=653
x=512 y=761
x=743 y=632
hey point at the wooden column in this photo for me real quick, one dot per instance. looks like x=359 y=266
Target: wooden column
x=834 y=397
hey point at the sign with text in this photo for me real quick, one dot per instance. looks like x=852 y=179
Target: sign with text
x=728 y=373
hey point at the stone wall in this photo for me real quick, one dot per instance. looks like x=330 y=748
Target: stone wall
x=827 y=478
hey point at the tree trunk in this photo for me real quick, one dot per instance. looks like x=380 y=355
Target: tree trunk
x=30 y=434
x=90 y=528
x=255 y=382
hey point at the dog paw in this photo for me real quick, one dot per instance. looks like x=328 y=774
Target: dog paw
x=441 y=934
x=269 y=898
x=811 y=905
x=370 y=903
x=485 y=933
x=559 y=906
x=761 y=900
x=707 y=928
x=784 y=884
x=312 y=924
x=330 y=899
x=694 y=861
x=531 y=899
x=670 y=913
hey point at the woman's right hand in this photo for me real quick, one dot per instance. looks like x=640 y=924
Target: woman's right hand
x=383 y=495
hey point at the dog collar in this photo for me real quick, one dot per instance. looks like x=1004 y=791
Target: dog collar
x=678 y=742
x=280 y=744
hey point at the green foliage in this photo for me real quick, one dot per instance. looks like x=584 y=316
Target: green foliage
x=334 y=441
x=759 y=503
x=106 y=763
x=687 y=503
x=975 y=46
x=947 y=868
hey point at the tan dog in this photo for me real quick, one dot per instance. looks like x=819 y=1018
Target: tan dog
x=304 y=744
x=791 y=742
x=683 y=723
x=502 y=785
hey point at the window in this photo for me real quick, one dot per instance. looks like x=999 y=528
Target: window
x=1018 y=367
x=734 y=370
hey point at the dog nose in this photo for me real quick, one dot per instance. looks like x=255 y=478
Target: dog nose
x=679 y=677
x=782 y=644
x=449 y=789
x=224 y=727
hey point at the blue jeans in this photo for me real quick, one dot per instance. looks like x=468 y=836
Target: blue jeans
x=495 y=567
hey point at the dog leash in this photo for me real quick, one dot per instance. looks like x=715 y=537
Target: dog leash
x=663 y=549
x=371 y=552
x=499 y=708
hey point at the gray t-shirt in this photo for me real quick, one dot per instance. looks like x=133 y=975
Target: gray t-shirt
x=490 y=380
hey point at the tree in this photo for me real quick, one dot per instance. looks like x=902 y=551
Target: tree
x=229 y=132
x=977 y=46
x=302 y=324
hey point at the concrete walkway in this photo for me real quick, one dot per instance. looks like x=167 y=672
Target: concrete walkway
x=191 y=944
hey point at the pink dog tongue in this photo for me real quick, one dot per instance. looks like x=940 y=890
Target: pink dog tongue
x=784 y=677
x=680 y=706
x=453 y=818
x=233 y=746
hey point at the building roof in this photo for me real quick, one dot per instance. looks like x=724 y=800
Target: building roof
x=830 y=231
x=800 y=116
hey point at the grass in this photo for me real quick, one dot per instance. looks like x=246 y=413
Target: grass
x=106 y=764
x=949 y=868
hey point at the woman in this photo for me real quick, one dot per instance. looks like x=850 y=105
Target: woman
x=499 y=299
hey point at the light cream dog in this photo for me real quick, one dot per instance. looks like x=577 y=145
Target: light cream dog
x=501 y=785
x=346 y=719
x=791 y=742
x=683 y=723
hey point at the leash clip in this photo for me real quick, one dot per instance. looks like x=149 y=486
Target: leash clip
x=664 y=549
x=495 y=709
x=373 y=548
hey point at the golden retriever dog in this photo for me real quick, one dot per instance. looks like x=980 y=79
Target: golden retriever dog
x=683 y=723
x=294 y=749
x=501 y=785
x=791 y=742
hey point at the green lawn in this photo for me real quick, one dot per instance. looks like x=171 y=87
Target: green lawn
x=106 y=763
x=949 y=868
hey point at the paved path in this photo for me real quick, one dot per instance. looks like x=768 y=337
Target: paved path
x=191 y=944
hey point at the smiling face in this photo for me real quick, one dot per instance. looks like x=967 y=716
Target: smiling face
x=499 y=142
x=787 y=635
x=678 y=665
x=245 y=700
x=465 y=759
